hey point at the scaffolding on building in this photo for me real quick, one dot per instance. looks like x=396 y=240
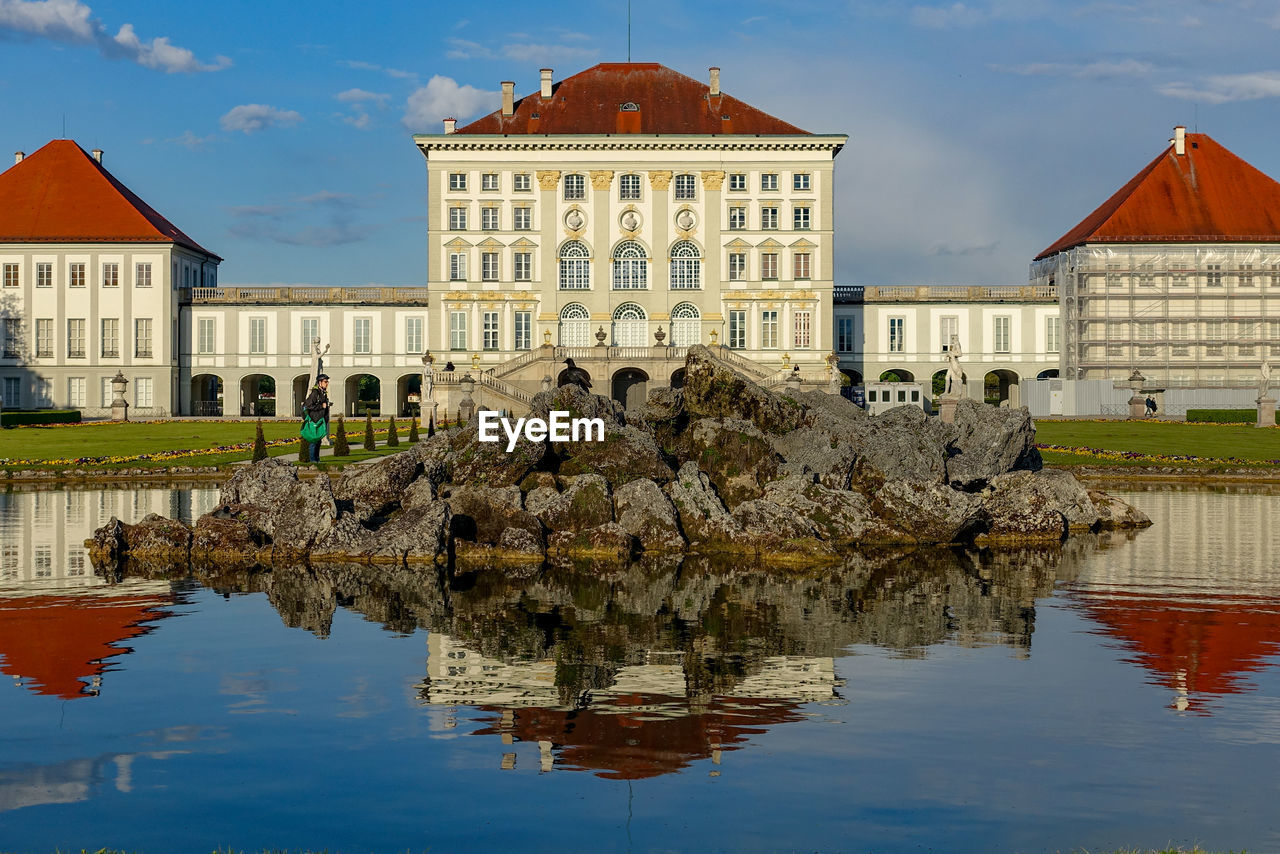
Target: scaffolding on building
x=1197 y=316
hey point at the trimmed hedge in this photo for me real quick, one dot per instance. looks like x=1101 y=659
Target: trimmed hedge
x=1225 y=416
x=40 y=416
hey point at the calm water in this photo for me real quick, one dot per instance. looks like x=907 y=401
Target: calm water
x=1119 y=692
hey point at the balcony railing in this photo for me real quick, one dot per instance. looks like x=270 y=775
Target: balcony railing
x=944 y=293
x=303 y=296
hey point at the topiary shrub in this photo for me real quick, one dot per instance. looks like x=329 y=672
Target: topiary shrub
x=431 y=426
x=340 y=446
x=393 y=434
x=413 y=431
x=369 y=443
x=259 y=444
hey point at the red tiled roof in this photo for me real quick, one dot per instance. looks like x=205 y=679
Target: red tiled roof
x=1207 y=195
x=60 y=194
x=668 y=101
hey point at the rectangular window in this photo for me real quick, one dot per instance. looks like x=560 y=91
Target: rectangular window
x=308 y=333
x=13 y=392
x=489 y=266
x=1052 y=334
x=800 y=181
x=362 y=335
x=457 y=330
x=10 y=275
x=769 y=219
x=44 y=338
x=1001 y=332
x=686 y=188
x=142 y=276
x=490 y=319
x=800 y=217
x=457 y=180
x=629 y=188
x=489 y=181
x=44 y=275
x=1178 y=334
x=1146 y=335
x=142 y=338
x=110 y=338
x=258 y=336
x=522 y=182
x=77 y=392
x=458 y=267
x=75 y=275
x=897 y=334
x=205 y=336
x=1146 y=276
x=1178 y=276
x=75 y=338
x=12 y=337
x=111 y=275
x=769 y=181
x=769 y=265
x=523 y=266
x=489 y=219
x=524 y=330
x=769 y=329
x=800 y=265
x=457 y=219
x=575 y=188
x=948 y=327
x=737 y=328
x=1245 y=277
x=142 y=392
x=737 y=266
x=107 y=394
x=737 y=217
x=413 y=335
x=1213 y=275
x=844 y=334
x=523 y=216
x=738 y=182
x=802 y=324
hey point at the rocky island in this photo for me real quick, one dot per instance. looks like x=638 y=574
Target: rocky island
x=721 y=466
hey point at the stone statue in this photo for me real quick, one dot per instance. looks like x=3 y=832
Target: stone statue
x=428 y=386
x=955 y=375
x=1264 y=382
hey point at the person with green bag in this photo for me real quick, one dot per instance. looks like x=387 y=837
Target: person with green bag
x=315 y=422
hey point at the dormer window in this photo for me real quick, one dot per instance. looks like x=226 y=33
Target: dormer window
x=629 y=107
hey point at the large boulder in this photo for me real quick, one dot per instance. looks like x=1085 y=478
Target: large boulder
x=771 y=530
x=490 y=522
x=624 y=455
x=703 y=517
x=490 y=463
x=412 y=535
x=375 y=489
x=1114 y=514
x=928 y=513
x=154 y=539
x=220 y=540
x=279 y=508
x=990 y=441
x=712 y=389
x=585 y=503
x=838 y=516
x=733 y=453
x=646 y=513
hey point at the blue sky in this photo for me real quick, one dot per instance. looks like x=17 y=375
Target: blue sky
x=278 y=134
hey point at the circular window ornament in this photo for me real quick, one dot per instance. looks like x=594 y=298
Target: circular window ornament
x=630 y=220
x=686 y=219
x=574 y=220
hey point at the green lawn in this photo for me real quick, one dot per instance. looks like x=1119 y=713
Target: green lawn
x=1158 y=439
x=48 y=445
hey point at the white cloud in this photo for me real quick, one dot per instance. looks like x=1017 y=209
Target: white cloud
x=71 y=21
x=548 y=53
x=369 y=66
x=443 y=98
x=1223 y=88
x=1100 y=70
x=251 y=118
x=191 y=141
x=464 y=49
x=945 y=17
x=358 y=96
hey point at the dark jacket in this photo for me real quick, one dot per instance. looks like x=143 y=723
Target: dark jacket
x=317 y=405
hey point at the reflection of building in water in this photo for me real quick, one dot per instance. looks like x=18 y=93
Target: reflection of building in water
x=642 y=724
x=1196 y=599
x=60 y=623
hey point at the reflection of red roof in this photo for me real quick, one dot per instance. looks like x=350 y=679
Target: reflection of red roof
x=626 y=742
x=1206 y=195
x=57 y=642
x=667 y=101
x=1205 y=646
x=60 y=194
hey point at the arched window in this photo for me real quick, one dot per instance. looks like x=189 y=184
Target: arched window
x=575 y=266
x=575 y=325
x=686 y=325
x=630 y=326
x=630 y=267
x=686 y=267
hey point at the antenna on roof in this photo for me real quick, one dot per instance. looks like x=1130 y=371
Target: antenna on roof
x=64 y=125
x=1195 y=117
x=628 y=30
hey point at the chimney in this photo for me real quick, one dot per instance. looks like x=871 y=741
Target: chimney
x=18 y=155
x=546 y=84
x=715 y=82
x=1179 y=140
x=508 y=97
x=449 y=125
x=97 y=154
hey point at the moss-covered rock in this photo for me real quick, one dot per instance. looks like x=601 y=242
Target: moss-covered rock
x=733 y=453
x=585 y=503
x=712 y=389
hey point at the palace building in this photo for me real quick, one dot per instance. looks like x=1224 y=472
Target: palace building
x=618 y=216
